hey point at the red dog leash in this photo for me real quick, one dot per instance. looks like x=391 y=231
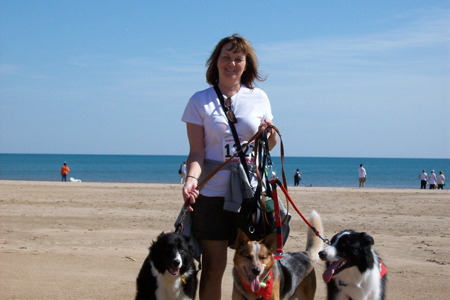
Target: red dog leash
x=274 y=182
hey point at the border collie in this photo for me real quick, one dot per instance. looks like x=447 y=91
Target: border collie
x=257 y=275
x=354 y=271
x=168 y=271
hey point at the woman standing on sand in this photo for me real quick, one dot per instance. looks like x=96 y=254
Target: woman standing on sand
x=233 y=68
x=441 y=180
x=432 y=180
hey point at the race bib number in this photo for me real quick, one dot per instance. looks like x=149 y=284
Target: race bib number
x=229 y=149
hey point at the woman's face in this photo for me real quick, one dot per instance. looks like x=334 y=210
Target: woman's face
x=231 y=64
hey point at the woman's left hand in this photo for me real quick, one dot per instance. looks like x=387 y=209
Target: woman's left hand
x=271 y=134
x=266 y=124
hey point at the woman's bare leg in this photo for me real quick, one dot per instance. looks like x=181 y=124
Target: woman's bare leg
x=214 y=263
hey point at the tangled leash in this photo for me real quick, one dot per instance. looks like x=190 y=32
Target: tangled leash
x=273 y=183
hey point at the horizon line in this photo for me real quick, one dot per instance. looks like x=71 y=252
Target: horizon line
x=361 y=157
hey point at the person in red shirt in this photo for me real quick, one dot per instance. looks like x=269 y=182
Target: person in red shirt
x=64 y=171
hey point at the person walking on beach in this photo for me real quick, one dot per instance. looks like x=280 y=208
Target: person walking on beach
x=297 y=177
x=233 y=69
x=432 y=180
x=423 y=180
x=64 y=171
x=362 y=175
x=183 y=172
x=441 y=180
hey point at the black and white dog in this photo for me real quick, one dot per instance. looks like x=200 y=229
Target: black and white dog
x=354 y=271
x=168 y=271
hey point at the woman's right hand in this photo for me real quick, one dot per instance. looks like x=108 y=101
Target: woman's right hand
x=194 y=163
x=190 y=192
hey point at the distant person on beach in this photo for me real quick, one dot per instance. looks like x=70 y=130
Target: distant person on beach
x=362 y=175
x=432 y=180
x=441 y=180
x=64 y=171
x=183 y=172
x=297 y=177
x=233 y=69
x=423 y=180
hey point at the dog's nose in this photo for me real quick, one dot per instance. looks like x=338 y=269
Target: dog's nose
x=322 y=254
x=256 y=270
x=176 y=263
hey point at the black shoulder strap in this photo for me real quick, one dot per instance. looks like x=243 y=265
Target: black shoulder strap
x=233 y=130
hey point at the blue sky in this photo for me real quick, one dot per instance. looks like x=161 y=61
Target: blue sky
x=345 y=78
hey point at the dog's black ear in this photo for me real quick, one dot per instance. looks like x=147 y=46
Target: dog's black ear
x=365 y=239
x=191 y=249
x=154 y=242
x=241 y=239
x=270 y=241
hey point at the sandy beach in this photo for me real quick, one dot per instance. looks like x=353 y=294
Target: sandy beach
x=88 y=240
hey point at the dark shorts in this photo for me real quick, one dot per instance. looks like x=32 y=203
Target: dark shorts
x=210 y=221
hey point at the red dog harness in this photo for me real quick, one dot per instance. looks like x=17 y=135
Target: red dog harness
x=265 y=292
x=382 y=268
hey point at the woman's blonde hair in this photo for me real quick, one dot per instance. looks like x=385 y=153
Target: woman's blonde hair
x=238 y=43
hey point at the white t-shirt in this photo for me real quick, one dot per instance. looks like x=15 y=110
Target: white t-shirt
x=441 y=179
x=362 y=172
x=432 y=179
x=423 y=176
x=251 y=108
x=183 y=168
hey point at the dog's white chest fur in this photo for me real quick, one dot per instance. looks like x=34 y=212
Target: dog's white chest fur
x=359 y=286
x=169 y=286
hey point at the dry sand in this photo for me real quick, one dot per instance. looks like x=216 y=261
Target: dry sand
x=75 y=240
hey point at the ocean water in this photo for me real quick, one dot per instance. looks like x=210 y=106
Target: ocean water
x=316 y=171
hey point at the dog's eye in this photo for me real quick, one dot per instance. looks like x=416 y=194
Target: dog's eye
x=263 y=257
x=182 y=249
x=249 y=257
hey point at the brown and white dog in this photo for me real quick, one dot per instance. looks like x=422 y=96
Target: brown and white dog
x=257 y=275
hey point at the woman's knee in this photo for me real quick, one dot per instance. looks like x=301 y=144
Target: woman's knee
x=214 y=258
x=214 y=267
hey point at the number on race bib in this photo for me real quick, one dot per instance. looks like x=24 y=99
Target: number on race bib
x=229 y=149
